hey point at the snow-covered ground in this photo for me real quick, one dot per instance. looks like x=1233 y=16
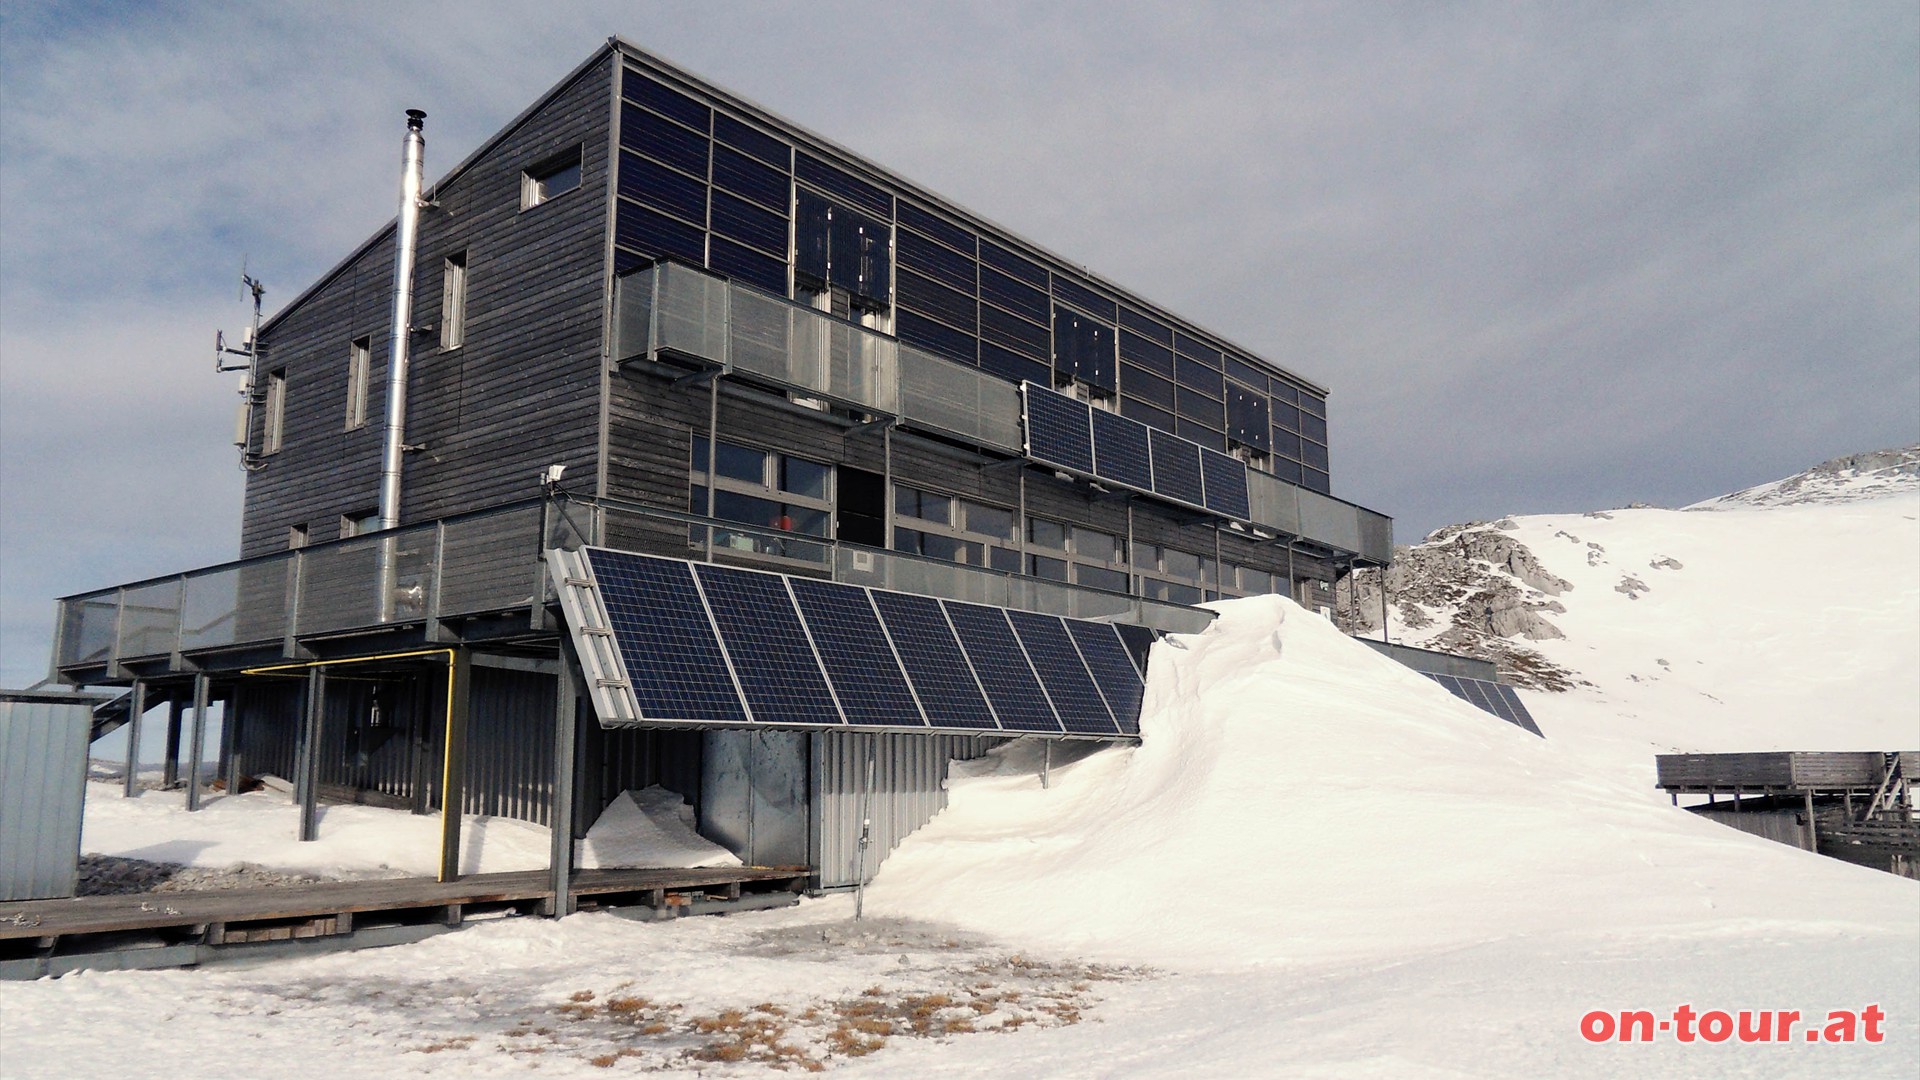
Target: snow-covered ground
x=1315 y=864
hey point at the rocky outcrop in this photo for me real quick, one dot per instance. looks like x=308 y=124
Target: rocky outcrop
x=1844 y=479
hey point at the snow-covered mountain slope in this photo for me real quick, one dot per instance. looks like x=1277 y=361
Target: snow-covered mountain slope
x=1783 y=617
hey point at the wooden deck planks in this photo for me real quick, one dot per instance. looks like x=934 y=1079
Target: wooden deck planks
x=334 y=899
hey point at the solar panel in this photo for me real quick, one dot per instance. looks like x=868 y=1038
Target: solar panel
x=661 y=625
x=1059 y=430
x=933 y=660
x=1477 y=694
x=1450 y=684
x=1063 y=675
x=1112 y=669
x=1496 y=703
x=1139 y=643
x=853 y=649
x=1520 y=714
x=1120 y=450
x=1176 y=468
x=1004 y=671
x=772 y=659
x=1226 y=483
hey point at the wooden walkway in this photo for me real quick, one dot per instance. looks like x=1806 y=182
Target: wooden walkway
x=39 y=929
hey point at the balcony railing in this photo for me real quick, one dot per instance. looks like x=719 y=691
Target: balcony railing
x=673 y=310
x=489 y=562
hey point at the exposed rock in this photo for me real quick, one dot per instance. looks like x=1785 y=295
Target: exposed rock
x=1631 y=587
x=1666 y=562
x=1844 y=479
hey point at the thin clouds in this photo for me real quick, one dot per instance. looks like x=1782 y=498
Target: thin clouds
x=1546 y=257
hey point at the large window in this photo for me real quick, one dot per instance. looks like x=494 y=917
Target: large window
x=776 y=493
x=955 y=529
x=1171 y=574
x=1084 y=556
x=453 y=301
x=359 y=372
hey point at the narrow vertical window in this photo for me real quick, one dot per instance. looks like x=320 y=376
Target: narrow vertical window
x=453 y=301
x=359 y=371
x=297 y=536
x=274 y=412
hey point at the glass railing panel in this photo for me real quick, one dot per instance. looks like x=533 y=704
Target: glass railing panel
x=490 y=563
x=150 y=619
x=1329 y=521
x=87 y=625
x=1273 y=502
x=209 y=616
x=264 y=598
x=1376 y=536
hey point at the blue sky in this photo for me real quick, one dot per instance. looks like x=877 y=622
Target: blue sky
x=1555 y=257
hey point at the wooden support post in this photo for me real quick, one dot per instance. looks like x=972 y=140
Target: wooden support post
x=170 y=764
x=306 y=788
x=1813 y=839
x=197 y=746
x=566 y=719
x=453 y=761
x=136 y=705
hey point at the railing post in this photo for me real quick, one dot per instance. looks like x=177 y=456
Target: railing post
x=119 y=630
x=174 y=661
x=436 y=574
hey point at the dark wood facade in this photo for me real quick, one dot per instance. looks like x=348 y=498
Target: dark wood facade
x=532 y=384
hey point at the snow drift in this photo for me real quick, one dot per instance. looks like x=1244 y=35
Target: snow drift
x=1296 y=798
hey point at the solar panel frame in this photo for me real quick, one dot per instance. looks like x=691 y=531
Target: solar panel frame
x=1003 y=668
x=1059 y=429
x=870 y=691
x=934 y=662
x=1111 y=664
x=773 y=657
x=1069 y=686
x=677 y=669
x=1224 y=484
x=1176 y=468
x=1122 y=450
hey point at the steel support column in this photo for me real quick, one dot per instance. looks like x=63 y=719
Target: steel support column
x=566 y=719
x=453 y=767
x=306 y=788
x=170 y=764
x=197 y=746
x=136 y=704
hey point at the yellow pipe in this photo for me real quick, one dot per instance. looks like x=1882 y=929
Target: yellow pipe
x=446 y=759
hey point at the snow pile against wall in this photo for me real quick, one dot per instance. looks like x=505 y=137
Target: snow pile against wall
x=1297 y=798
x=650 y=827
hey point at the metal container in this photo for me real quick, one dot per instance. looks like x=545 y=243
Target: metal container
x=43 y=789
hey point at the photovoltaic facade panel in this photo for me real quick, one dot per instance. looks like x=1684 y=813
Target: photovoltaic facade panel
x=853 y=648
x=1112 y=668
x=1003 y=669
x=773 y=661
x=933 y=660
x=673 y=657
x=1059 y=430
x=1063 y=675
x=1520 y=714
x=1225 y=479
x=1120 y=450
x=1176 y=468
x=1496 y=699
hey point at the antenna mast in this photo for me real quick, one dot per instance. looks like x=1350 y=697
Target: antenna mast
x=249 y=352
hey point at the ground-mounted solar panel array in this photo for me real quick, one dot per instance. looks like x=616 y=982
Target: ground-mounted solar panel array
x=1069 y=434
x=708 y=645
x=1491 y=697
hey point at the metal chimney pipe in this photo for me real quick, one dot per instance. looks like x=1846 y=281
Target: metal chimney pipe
x=412 y=159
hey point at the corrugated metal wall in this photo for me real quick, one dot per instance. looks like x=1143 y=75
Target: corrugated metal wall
x=43 y=789
x=510 y=745
x=909 y=787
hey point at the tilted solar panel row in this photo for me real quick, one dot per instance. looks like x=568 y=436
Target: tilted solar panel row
x=1489 y=697
x=704 y=644
x=1070 y=434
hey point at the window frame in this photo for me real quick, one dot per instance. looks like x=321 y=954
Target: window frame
x=453 y=300
x=273 y=408
x=359 y=380
x=768 y=490
x=1003 y=551
x=535 y=179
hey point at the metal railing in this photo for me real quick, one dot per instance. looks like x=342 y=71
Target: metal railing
x=465 y=565
x=489 y=561
x=669 y=308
